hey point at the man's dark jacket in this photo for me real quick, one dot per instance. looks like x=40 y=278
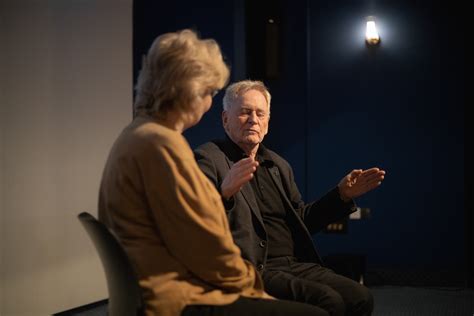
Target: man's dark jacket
x=216 y=158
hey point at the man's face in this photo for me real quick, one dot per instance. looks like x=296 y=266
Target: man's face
x=246 y=122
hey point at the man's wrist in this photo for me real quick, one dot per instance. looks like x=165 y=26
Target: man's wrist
x=228 y=203
x=344 y=198
x=224 y=194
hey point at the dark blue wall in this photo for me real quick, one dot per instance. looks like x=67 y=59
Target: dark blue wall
x=338 y=106
x=400 y=108
x=211 y=19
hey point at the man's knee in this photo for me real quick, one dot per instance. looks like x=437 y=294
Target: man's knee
x=332 y=302
x=363 y=302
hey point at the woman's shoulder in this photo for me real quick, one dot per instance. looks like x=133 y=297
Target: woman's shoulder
x=149 y=134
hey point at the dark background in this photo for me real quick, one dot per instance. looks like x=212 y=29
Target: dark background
x=338 y=105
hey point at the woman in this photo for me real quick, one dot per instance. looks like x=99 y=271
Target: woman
x=153 y=195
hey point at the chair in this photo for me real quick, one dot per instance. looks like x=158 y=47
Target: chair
x=122 y=283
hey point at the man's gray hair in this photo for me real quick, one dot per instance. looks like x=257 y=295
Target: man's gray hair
x=235 y=90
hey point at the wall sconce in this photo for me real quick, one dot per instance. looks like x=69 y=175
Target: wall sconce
x=372 y=37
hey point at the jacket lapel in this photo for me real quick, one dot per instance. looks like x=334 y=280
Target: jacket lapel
x=275 y=174
x=249 y=196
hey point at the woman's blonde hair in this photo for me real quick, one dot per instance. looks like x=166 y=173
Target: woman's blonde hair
x=178 y=70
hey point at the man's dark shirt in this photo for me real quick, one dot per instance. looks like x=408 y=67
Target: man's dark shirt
x=270 y=203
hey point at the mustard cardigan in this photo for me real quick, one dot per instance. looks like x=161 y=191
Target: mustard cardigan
x=171 y=221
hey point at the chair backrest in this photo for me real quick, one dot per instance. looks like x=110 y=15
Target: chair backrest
x=122 y=283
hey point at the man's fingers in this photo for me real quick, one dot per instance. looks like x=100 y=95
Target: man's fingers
x=241 y=173
x=243 y=180
x=246 y=161
x=245 y=166
x=373 y=185
x=355 y=173
x=375 y=177
x=371 y=171
x=245 y=174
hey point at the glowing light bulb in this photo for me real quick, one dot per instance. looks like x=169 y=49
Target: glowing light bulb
x=371 y=35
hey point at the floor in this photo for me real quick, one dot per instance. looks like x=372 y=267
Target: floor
x=389 y=301
x=397 y=300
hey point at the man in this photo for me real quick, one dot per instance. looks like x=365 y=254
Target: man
x=269 y=221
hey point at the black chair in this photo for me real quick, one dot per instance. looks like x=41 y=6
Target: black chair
x=122 y=283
